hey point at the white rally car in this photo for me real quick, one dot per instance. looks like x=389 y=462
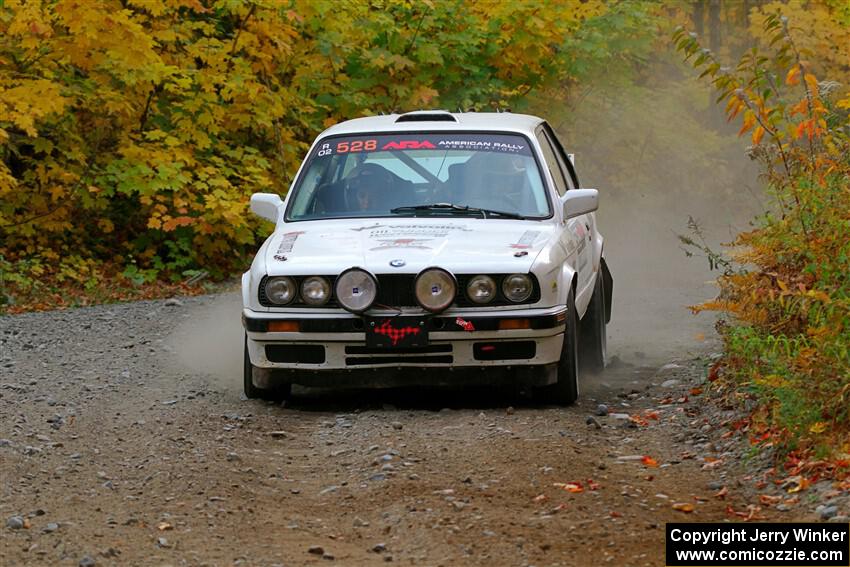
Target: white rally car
x=428 y=248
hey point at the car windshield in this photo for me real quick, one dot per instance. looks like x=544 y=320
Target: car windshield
x=405 y=174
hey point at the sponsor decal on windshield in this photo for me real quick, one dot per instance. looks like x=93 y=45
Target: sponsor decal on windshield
x=409 y=145
x=498 y=143
x=482 y=145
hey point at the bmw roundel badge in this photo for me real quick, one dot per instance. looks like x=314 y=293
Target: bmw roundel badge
x=397 y=263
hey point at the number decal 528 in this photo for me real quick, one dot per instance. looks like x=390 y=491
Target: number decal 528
x=356 y=146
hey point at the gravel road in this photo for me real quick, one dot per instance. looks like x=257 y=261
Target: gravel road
x=116 y=450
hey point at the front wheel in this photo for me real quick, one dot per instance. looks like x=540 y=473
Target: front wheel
x=565 y=390
x=279 y=393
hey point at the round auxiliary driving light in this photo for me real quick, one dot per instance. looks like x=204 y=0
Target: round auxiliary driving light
x=517 y=287
x=481 y=289
x=435 y=289
x=315 y=290
x=356 y=290
x=280 y=290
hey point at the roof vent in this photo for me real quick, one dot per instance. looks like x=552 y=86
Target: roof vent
x=427 y=116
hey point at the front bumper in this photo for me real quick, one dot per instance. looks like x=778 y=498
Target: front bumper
x=336 y=341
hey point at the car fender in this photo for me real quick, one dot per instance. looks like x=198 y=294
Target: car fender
x=598 y=242
x=246 y=290
x=555 y=273
x=251 y=279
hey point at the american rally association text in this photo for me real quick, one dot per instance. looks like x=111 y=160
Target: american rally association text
x=755 y=534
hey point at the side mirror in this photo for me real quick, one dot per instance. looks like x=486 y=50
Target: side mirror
x=266 y=205
x=579 y=202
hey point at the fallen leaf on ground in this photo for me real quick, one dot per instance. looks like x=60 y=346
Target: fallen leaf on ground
x=750 y=515
x=722 y=493
x=768 y=500
x=796 y=483
x=574 y=487
x=638 y=420
x=163 y=526
x=696 y=391
x=683 y=507
x=616 y=515
x=649 y=461
x=714 y=372
x=592 y=485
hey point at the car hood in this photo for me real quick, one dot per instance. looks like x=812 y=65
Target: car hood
x=406 y=245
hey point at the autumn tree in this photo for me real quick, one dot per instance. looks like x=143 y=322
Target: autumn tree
x=133 y=132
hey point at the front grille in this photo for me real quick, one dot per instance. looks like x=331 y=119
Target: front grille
x=433 y=354
x=429 y=349
x=397 y=290
x=401 y=359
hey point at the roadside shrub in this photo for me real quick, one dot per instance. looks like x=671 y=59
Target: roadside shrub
x=788 y=290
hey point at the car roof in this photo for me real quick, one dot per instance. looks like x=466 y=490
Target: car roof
x=438 y=120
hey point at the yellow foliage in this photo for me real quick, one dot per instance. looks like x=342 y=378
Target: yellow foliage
x=140 y=128
x=818 y=31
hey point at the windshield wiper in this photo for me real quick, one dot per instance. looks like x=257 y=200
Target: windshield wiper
x=452 y=208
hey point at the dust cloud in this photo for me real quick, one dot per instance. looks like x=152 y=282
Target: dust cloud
x=209 y=342
x=659 y=153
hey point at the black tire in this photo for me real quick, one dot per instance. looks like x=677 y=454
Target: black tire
x=279 y=393
x=565 y=390
x=594 y=336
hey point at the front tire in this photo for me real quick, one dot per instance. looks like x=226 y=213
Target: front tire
x=594 y=336
x=279 y=393
x=565 y=391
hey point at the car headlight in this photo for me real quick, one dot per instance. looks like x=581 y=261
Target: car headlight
x=356 y=290
x=435 y=289
x=481 y=289
x=315 y=290
x=280 y=290
x=517 y=287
